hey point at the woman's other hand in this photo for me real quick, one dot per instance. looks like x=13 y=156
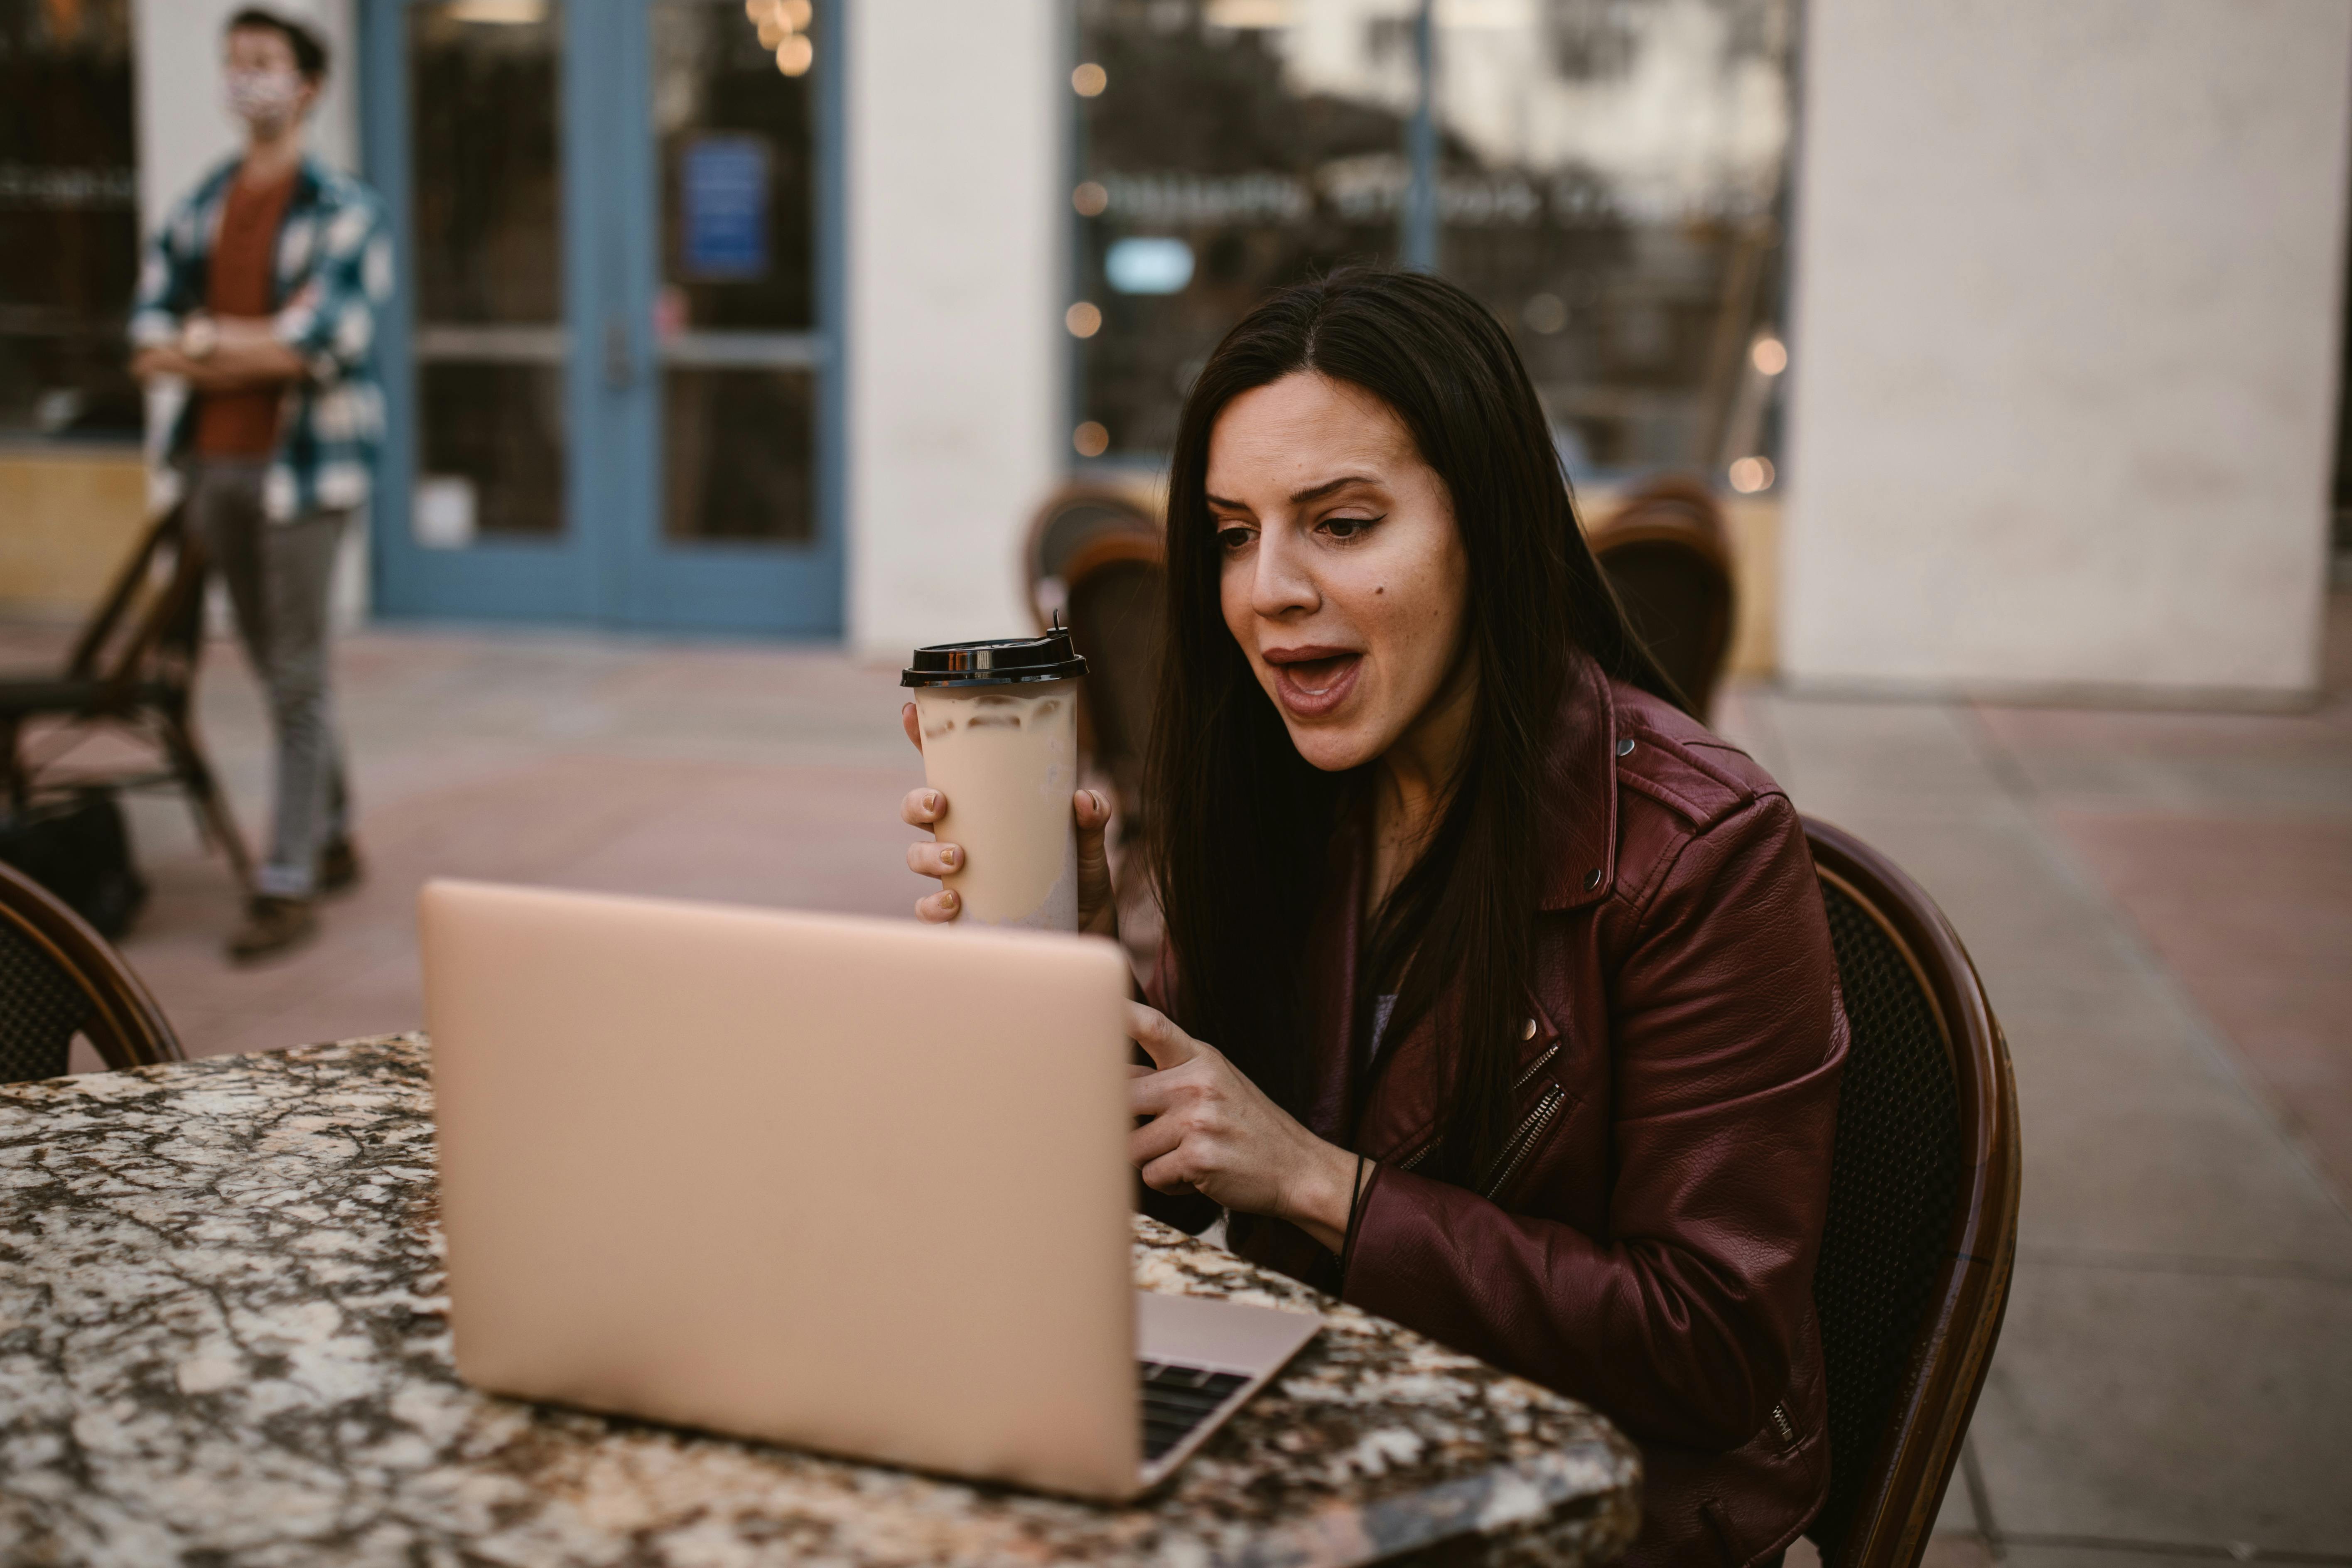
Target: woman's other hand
x=1097 y=912
x=1214 y=1131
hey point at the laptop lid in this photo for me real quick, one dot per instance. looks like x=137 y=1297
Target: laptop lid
x=851 y=1185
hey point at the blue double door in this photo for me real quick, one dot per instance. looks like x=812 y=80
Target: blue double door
x=611 y=369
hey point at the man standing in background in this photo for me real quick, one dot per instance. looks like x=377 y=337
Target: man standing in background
x=261 y=295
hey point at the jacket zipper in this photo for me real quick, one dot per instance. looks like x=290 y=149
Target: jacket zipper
x=1523 y=1141
x=1529 y=1076
x=1788 y=1427
x=1526 y=1075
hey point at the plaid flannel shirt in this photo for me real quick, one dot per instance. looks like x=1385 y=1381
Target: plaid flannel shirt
x=332 y=280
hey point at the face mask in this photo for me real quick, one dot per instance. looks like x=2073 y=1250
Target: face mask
x=264 y=97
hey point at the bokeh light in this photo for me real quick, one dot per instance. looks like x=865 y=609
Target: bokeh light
x=1083 y=319
x=1749 y=475
x=1089 y=79
x=1770 y=355
x=1090 y=440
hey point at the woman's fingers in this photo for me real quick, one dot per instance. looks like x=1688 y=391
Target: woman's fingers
x=1150 y=1091
x=1166 y=1174
x=912 y=725
x=921 y=808
x=1096 y=912
x=1161 y=1041
x=934 y=859
x=1154 y=1137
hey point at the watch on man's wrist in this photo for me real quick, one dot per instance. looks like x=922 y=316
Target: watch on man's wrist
x=199 y=337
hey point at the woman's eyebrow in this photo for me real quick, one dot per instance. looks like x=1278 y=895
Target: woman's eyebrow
x=1298 y=497
x=1319 y=491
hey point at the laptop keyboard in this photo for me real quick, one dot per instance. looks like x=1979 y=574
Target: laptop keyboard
x=1176 y=1399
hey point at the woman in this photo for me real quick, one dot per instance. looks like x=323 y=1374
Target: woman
x=1499 y=997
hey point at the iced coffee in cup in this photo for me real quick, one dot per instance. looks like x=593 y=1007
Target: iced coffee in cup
x=999 y=721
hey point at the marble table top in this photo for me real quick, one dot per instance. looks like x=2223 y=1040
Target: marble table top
x=223 y=1340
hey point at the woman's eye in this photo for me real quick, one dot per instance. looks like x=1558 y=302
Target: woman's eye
x=1348 y=527
x=1233 y=538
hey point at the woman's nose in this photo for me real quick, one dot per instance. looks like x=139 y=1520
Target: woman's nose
x=1283 y=583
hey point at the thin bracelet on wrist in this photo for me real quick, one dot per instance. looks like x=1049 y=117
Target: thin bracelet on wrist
x=1355 y=1197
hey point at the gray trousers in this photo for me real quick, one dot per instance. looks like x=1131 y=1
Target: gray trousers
x=279 y=574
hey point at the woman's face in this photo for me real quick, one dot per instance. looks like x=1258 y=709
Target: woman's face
x=1344 y=578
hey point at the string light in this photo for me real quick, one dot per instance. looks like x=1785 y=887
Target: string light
x=1751 y=475
x=1083 y=319
x=783 y=26
x=1769 y=356
x=1090 y=440
x=1089 y=79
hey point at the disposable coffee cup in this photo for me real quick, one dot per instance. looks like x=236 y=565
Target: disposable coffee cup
x=999 y=730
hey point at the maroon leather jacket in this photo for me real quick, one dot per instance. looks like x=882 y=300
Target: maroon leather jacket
x=1647 y=1244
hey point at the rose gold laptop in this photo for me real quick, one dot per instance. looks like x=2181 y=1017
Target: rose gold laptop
x=855 y=1186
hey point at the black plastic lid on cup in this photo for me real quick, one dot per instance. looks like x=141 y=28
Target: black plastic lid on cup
x=1002 y=662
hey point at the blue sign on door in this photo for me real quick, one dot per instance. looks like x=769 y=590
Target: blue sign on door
x=723 y=187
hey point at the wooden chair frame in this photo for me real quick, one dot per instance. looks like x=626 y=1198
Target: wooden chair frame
x=1912 y=1466
x=124 y=1023
x=136 y=669
x=1142 y=542
x=1674 y=510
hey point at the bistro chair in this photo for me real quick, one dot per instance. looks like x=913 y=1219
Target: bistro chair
x=1667 y=555
x=132 y=672
x=58 y=978
x=1922 y=1228
x=1095 y=556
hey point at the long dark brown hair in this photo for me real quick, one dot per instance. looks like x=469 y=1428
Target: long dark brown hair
x=1243 y=824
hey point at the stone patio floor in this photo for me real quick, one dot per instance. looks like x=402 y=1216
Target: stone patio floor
x=2160 y=905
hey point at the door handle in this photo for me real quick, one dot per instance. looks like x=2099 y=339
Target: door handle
x=620 y=360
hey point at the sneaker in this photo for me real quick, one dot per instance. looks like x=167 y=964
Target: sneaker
x=339 y=867
x=272 y=926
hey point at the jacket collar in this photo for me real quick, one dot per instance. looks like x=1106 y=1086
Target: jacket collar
x=1579 y=842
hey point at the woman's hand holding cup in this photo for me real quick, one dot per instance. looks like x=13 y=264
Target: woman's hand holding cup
x=1098 y=913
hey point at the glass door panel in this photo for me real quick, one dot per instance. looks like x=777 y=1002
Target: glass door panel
x=736 y=134
x=735 y=98
x=611 y=396
x=486 y=198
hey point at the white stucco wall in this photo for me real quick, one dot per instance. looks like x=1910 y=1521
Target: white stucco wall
x=955 y=298
x=2066 y=325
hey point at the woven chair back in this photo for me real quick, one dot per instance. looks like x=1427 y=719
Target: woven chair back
x=1921 y=1232
x=58 y=978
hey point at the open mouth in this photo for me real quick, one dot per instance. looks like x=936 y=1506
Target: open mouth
x=1312 y=682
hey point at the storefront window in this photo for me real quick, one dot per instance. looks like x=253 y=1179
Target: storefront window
x=1611 y=185
x=1224 y=147
x=1607 y=176
x=68 y=220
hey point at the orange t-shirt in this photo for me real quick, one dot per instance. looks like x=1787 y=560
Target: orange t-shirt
x=241 y=282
